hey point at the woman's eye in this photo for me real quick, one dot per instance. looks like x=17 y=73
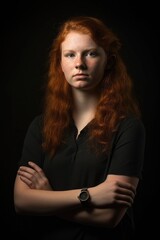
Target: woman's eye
x=92 y=54
x=69 y=55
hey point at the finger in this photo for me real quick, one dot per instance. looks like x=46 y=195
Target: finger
x=126 y=192
x=26 y=169
x=29 y=173
x=125 y=198
x=37 y=168
x=25 y=174
x=34 y=166
x=26 y=181
x=127 y=186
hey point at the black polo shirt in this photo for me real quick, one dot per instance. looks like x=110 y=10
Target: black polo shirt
x=76 y=165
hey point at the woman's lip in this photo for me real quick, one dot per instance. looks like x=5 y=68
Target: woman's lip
x=80 y=75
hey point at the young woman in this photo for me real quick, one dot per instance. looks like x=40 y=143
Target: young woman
x=83 y=156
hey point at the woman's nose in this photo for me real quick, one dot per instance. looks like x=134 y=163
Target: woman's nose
x=80 y=63
x=79 y=66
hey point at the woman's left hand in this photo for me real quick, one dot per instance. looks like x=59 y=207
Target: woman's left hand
x=34 y=177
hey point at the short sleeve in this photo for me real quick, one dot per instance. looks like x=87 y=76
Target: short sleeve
x=127 y=155
x=32 y=147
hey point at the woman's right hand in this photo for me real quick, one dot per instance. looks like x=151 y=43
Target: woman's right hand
x=34 y=177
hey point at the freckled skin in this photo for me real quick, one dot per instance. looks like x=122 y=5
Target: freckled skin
x=82 y=61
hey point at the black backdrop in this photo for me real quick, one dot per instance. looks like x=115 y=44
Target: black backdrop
x=26 y=33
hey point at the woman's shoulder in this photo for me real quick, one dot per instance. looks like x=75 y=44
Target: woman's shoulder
x=131 y=121
x=36 y=122
x=37 y=119
x=132 y=124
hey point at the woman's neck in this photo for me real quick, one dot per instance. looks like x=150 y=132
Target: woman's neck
x=85 y=101
x=84 y=108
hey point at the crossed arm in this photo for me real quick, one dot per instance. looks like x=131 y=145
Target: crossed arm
x=109 y=200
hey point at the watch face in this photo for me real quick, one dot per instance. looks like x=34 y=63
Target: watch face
x=84 y=196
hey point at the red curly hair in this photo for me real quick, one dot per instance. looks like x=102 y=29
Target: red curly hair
x=116 y=90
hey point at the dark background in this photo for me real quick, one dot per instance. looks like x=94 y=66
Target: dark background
x=26 y=34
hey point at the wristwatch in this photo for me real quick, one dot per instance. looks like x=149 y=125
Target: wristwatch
x=84 y=196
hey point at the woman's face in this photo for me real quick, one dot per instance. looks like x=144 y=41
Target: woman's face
x=83 y=62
